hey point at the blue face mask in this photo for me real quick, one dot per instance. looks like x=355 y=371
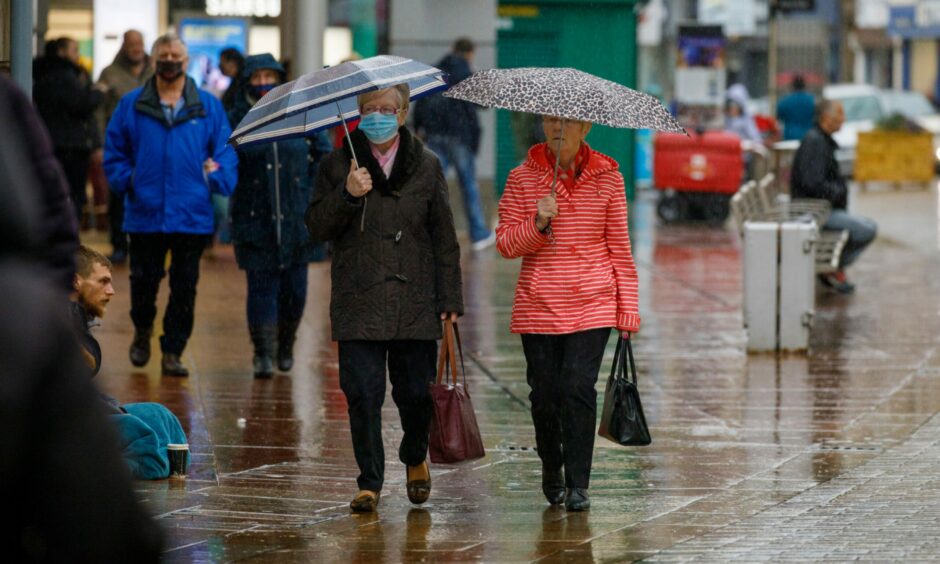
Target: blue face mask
x=379 y=127
x=258 y=91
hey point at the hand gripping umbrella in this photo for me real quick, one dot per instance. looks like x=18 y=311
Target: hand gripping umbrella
x=327 y=97
x=566 y=93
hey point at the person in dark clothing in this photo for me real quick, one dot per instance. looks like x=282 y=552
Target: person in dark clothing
x=271 y=241
x=56 y=226
x=395 y=276
x=167 y=152
x=131 y=69
x=61 y=475
x=452 y=130
x=232 y=65
x=66 y=100
x=815 y=174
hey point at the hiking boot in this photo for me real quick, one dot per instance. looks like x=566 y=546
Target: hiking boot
x=262 y=337
x=286 y=335
x=837 y=282
x=140 y=347
x=173 y=366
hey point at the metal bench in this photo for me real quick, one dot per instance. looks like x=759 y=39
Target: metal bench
x=761 y=201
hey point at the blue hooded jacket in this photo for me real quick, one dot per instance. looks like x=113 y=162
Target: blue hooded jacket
x=158 y=166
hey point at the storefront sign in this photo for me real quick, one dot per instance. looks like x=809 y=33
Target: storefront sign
x=915 y=22
x=244 y=8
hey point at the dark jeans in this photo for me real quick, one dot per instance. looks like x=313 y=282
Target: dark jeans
x=562 y=371
x=411 y=367
x=450 y=151
x=276 y=295
x=75 y=165
x=862 y=232
x=116 y=219
x=148 y=257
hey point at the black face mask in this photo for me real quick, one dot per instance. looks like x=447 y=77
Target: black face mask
x=169 y=70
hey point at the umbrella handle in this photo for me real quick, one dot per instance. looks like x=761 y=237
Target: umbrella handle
x=339 y=113
x=558 y=156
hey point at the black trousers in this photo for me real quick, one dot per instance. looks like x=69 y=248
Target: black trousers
x=116 y=220
x=75 y=165
x=411 y=367
x=148 y=257
x=562 y=371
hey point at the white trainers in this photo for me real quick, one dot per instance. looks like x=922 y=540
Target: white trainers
x=484 y=243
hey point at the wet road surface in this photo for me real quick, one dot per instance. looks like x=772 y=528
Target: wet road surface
x=753 y=457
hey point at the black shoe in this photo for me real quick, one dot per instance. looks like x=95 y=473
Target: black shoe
x=119 y=256
x=172 y=366
x=140 y=347
x=837 y=282
x=577 y=500
x=286 y=335
x=264 y=367
x=262 y=337
x=553 y=485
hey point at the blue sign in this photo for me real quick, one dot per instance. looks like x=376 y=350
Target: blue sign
x=905 y=22
x=206 y=38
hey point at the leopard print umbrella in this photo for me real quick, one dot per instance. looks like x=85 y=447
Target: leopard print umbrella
x=565 y=93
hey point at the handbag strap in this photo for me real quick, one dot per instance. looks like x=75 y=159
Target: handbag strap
x=463 y=367
x=632 y=362
x=446 y=361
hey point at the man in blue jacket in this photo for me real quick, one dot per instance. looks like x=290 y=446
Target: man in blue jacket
x=166 y=152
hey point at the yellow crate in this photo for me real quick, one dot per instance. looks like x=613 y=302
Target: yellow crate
x=894 y=156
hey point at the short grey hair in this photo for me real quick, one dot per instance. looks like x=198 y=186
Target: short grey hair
x=824 y=108
x=167 y=39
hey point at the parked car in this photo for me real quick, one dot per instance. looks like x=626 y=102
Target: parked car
x=865 y=105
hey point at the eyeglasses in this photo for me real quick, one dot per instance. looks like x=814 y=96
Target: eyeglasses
x=384 y=110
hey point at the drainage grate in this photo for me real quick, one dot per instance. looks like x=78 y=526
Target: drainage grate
x=849 y=447
x=513 y=448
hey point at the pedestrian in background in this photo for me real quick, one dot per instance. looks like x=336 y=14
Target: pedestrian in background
x=452 y=130
x=130 y=69
x=578 y=280
x=272 y=245
x=815 y=174
x=232 y=65
x=167 y=152
x=66 y=100
x=395 y=276
x=796 y=110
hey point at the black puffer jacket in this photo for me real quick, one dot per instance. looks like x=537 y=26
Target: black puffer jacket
x=392 y=279
x=67 y=103
x=272 y=177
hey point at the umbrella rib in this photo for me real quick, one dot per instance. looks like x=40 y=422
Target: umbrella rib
x=326 y=99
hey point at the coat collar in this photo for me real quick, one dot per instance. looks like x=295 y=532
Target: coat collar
x=596 y=163
x=149 y=102
x=410 y=150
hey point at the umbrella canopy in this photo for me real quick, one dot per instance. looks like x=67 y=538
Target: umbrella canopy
x=565 y=93
x=317 y=100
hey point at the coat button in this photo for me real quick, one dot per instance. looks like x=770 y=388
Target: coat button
x=269 y=166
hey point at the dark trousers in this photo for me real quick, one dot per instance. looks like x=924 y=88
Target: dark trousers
x=562 y=371
x=148 y=257
x=276 y=296
x=411 y=367
x=75 y=165
x=116 y=220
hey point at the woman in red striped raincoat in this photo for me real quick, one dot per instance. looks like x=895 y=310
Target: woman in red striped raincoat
x=578 y=281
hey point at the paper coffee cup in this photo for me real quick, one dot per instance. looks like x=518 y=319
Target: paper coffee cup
x=179 y=458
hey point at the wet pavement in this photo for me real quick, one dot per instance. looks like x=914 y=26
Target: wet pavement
x=829 y=454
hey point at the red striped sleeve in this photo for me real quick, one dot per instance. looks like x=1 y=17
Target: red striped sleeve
x=516 y=233
x=617 y=237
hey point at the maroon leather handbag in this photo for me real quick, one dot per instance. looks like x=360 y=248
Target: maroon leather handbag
x=455 y=436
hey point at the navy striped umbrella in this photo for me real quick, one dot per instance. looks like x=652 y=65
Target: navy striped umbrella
x=327 y=97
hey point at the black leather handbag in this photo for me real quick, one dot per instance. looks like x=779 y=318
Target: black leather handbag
x=622 y=420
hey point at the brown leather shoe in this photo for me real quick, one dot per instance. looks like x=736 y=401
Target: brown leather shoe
x=365 y=501
x=419 y=483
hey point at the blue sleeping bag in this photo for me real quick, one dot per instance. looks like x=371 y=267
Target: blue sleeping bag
x=144 y=431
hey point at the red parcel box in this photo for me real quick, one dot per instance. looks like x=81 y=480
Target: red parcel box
x=710 y=162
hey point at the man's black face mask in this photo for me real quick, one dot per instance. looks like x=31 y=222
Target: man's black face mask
x=169 y=70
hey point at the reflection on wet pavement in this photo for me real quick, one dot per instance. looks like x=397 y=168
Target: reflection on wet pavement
x=734 y=435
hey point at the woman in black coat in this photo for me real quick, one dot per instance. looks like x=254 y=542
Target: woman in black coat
x=267 y=212
x=396 y=275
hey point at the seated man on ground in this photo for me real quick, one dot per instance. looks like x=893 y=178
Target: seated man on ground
x=145 y=429
x=815 y=174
